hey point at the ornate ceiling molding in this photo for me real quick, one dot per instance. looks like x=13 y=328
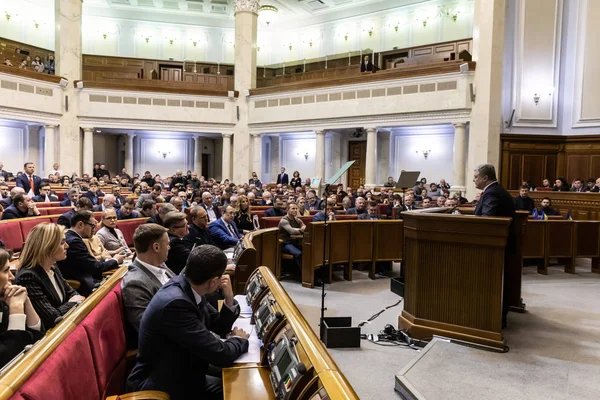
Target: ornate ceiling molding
x=150 y=125
x=29 y=116
x=246 y=5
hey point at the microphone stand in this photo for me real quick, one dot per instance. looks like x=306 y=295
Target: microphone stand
x=323 y=294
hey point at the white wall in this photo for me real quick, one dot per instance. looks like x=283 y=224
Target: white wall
x=12 y=148
x=151 y=159
x=106 y=150
x=438 y=164
x=292 y=156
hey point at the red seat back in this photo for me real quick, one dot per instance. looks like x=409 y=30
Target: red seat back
x=28 y=224
x=128 y=228
x=58 y=210
x=10 y=234
x=54 y=219
x=49 y=204
x=269 y=222
x=307 y=220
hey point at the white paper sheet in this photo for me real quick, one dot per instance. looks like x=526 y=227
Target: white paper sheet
x=254 y=343
x=245 y=309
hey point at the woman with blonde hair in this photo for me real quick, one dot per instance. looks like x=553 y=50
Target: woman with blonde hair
x=111 y=237
x=243 y=216
x=19 y=323
x=50 y=294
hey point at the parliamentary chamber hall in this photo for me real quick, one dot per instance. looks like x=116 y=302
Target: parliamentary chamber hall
x=299 y=199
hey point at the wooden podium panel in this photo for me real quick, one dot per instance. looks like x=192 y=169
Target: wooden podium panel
x=340 y=234
x=247 y=383
x=454 y=268
x=361 y=247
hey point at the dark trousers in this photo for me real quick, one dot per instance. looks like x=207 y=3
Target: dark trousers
x=295 y=250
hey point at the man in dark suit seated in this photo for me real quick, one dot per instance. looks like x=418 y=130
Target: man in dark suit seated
x=223 y=231
x=94 y=193
x=45 y=195
x=177 y=341
x=198 y=234
x=7 y=201
x=312 y=203
x=71 y=198
x=283 y=178
x=546 y=207
x=28 y=181
x=371 y=213
x=119 y=200
x=523 y=201
x=4 y=192
x=495 y=201
x=163 y=210
x=83 y=204
x=359 y=208
x=176 y=223
x=80 y=264
x=327 y=214
x=22 y=207
x=127 y=210
x=146 y=274
x=211 y=209
x=276 y=210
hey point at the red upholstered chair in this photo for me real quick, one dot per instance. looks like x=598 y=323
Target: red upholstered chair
x=28 y=224
x=68 y=373
x=313 y=212
x=128 y=228
x=54 y=219
x=58 y=210
x=98 y=216
x=307 y=220
x=60 y=195
x=382 y=209
x=269 y=222
x=104 y=327
x=258 y=213
x=10 y=233
x=43 y=211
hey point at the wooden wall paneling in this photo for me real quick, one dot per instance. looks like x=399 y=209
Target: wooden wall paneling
x=534 y=241
x=339 y=235
x=550 y=167
x=594 y=167
x=515 y=171
x=559 y=244
x=533 y=168
x=578 y=166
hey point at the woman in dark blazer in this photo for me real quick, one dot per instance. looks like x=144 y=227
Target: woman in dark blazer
x=50 y=294
x=19 y=323
x=243 y=216
x=296 y=180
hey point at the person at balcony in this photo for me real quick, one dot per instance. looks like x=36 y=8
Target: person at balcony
x=366 y=65
x=296 y=180
x=276 y=210
x=545 y=184
x=590 y=184
x=111 y=237
x=224 y=231
x=7 y=62
x=28 y=181
x=179 y=249
x=37 y=64
x=243 y=215
x=49 y=293
x=328 y=214
x=80 y=264
x=49 y=65
x=255 y=181
x=390 y=182
x=24 y=65
x=495 y=200
x=561 y=185
x=45 y=195
x=596 y=187
x=283 y=178
x=546 y=208
x=127 y=210
x=22 y=207
x=523 y=201
x=578 y=186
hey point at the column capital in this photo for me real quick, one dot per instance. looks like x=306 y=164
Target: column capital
x=88 y=130
x=132 y=135
x=319 y=132
x=256 y=134
x=246 y=5
x=50 y=126
x=371 y=129
x=227 y=135
x=459 y=125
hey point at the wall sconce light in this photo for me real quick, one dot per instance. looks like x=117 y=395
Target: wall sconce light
x=536 y=98
x=346 y=37
x=290 y=47
x=425 y=23
x=36 y=24
x=306 y=156
x=310 y=43
x=195 y=43
x=164 y=153
x=455 y=16
x=171 y=41
x=396 y=27
x=7 y=15
x=147 y=38
x=371 y=32
x=424 y=152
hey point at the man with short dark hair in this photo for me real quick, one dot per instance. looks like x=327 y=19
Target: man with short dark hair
x=546 y=207
x=146 y=274
x=163 y=210
x=71 y=198
x=127 y=210
x=198 y=234
x=224 y=231
x=371 y=213
x=177 y=332
x=45 y=195
x=154 y=195
x=176 y=223
x=495 y=201
x=327 y=214
x=119 y=200
x=80 y=264
x=83 y=204
x=28 y=181
x=148 y=209
x=276 y=210
x=523 y=201
x=22 y=207
x=4 y=192
x=290 y=226
x=283 y=178
x=94 y=193
x=578 y=186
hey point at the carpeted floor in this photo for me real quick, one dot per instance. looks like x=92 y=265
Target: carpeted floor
x=554 y=347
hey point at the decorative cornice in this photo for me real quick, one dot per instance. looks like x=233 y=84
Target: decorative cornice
x=227 y=135
x=134 y=124
x=246 y=5
x=30 y=115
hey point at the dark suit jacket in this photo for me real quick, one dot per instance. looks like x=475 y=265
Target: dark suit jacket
x=176 y=343
x=215 y=209
x=283 y=179
x=273 y=212
x=221 y=235
x=366 y=217
x=495 y=202
x=41 y=199
x=43 y=295
x=178 y=254
x=6 y=202
x=92 y=197
x=23 y=181
x=65 y=202
x=65 y=219
x=524 y=203
x=14 y=341
x=4 y=173
x=198 y=237
x=82 y=266
x=367 y=67
x=320 y=216
x=12 y=212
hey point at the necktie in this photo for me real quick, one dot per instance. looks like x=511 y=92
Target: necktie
x=31 y=182
x=231 y=231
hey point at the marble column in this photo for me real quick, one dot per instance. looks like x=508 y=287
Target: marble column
x=49 y=149
x=68 y=65
x=383 y=153
x=275 y=160
x=128 y=153
x=88 y=150
x=458 y=181
x=320 y=156
x=226 y=170
x=198 y=155
x=486 y=115
x=257 y=154
x=246 y=27
x=371 y=159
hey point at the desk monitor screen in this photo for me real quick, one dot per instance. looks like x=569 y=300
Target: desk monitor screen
x=315 y=183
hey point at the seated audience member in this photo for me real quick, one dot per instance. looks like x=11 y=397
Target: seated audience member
x=127 y=210
x=198 y=233
x=80 y=264
x=146 y=274
x=243 y=215
x=523 y=201
x=546 y=207
x=420 y=190
x=409 y=203
x=546 y=184
x=252 y=198
x=426 y=203
x=176 y=223
x=255 y=181
x=45 y=195
x=589 y=185
x=4 y=193
x=578 y=186
x=441 y=201
x=211 y=210
x=108 y=203
x=83 y=203
x=154 y=195
x=177 y=340
x=7 y=201
x=312 y=203
x=96 y=248
x=111 y=237
x=302 y=211
x=233 y=201
x=163 y=210
x=71 y=198
x=50 y=294
x=560 y=185
x=595 y=188
x=119 y=200
x=371 y=213
x=150 y=181
x=177 y=203
x=443 y=184
x=434 y=192
x=94 y=193
x=19 y=323
x=450 y=202
x=359 y=208
x=22 y=207
x=390 y=182
x=290 y=226
x=223 y=231
x=276 y=210
x=267 y=199
x=327 y=214
x=148 y=209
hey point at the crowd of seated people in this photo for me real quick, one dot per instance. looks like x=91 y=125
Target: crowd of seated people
x=23 y=60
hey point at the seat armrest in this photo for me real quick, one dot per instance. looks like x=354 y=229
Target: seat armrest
x=142 y=395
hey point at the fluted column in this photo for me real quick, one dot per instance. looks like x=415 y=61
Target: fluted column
x=49 y=150
x=371 y=159
x=226 y=169
x=129 y=154
x=257 y=154
x=198 y=155
x=320 y=156
x=460 y=157
x=88 y=150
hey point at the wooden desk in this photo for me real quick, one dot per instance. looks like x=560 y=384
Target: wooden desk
x=261 y=248
x=247 y=383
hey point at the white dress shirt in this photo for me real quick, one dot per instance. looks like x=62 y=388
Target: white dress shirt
x=158 y=272
x=211 y=214
x=55 y=284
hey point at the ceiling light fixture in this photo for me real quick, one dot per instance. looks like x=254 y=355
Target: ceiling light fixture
x=268 y=12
